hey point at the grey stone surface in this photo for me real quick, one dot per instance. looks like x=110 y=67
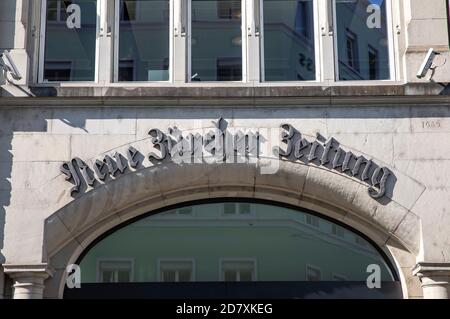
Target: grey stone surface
x=403 y=124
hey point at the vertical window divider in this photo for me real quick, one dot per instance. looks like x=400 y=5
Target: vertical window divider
x=245 y=41
x=115 y=50
x=334 y=74
x=41 y=58
x=253 y=50
x=318 y=42
x=391 y=43
x=100 y=33
x=180 y=36
x=188 y=49
x=261 y=66
x=325 y=41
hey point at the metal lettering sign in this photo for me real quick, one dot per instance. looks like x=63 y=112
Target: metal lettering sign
x=219 y=145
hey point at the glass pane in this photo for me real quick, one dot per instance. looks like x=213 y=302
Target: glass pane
x=312 y=274
x=216 y=43
x=168 y=276
x=277 y=241
x=362 y=40
x=229 y=208
x=185 y=211
x=108 y=276
x=184 y=275
x=144 y=40
x=245 y=275
x=123 y=276
x=289 y=52
x=230 y=275
x=244 y=208
x=70 y=40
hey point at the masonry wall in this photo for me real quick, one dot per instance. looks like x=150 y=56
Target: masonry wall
x=406 y=127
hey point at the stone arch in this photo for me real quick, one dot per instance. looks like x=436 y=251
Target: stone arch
x=70 y=230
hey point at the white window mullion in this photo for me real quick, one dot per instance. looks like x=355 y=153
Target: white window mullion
x=43 y=25
x=251 y=56
x=393 y=45
x=105 y=41
x=328 y=57
x=181 y=37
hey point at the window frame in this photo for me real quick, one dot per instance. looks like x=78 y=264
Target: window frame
x=115 y=39
x=99 y=275
x=391 y=53
x=222 y=261
x=326 y=54
x=159 y=277
x=237 y=212
x=42 y=42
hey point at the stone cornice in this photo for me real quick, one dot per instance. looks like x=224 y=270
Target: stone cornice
x=425 y=269
x=240 y=95
x=28 y=270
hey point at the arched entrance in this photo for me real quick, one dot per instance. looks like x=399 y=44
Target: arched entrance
x=234 y=248
x=73 y=228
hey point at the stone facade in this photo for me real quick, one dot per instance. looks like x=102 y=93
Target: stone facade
x=404 y=126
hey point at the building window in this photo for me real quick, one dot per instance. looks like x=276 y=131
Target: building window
x=313 y=273
x=229 y=9
x=238 y=270
x=216 y=40
x=143 y=41
x=373 y=63
x=58 y=70
x=176 y=270
x=360 y=25
x=288 y=37
x=337 y=230
x=115 y=271
x=68 y=51
x=229 y=69
x=128 y=10
x=312 y=220
x=351 y=41
x=237 y=209
x=56 y=11
x=183 y=211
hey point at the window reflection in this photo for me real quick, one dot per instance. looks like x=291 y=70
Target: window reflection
x=225 y=242
x=144 y=40
x=69 y=47
x=362 y=40
x=216 y=42
x=289 y=52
